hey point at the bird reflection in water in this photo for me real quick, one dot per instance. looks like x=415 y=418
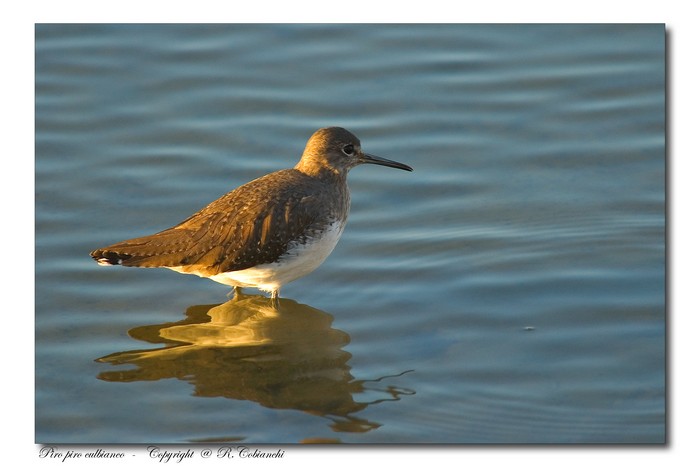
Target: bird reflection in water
x=287 y=357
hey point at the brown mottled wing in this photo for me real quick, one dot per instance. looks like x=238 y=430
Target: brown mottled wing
x=250 y=225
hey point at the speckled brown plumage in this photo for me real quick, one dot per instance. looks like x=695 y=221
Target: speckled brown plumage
x=248 y=226
x=257 y=223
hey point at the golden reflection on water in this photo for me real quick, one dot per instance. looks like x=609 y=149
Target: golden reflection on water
x=287 y=357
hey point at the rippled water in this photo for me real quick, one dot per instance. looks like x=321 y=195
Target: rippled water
x=510 y=290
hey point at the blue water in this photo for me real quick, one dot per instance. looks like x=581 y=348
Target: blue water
x=510 y=290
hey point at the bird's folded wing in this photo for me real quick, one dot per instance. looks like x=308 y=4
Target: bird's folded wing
x=239 y=230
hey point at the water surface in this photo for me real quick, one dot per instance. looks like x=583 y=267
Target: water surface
x=510 y=290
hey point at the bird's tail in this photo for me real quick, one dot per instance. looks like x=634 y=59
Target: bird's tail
x=163 y=249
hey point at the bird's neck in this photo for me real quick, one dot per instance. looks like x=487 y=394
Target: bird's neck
x=318 y=168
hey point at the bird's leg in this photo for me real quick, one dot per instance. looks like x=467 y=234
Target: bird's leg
x=275 y=297
x=235 y=293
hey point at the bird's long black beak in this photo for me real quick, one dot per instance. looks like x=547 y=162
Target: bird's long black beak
x=370 y=159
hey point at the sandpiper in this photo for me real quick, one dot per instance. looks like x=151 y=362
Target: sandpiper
x=266 y=233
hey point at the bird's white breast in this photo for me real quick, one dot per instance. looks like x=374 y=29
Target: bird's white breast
x=301 y=258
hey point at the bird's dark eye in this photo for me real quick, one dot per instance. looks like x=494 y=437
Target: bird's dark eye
x=349 y=149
